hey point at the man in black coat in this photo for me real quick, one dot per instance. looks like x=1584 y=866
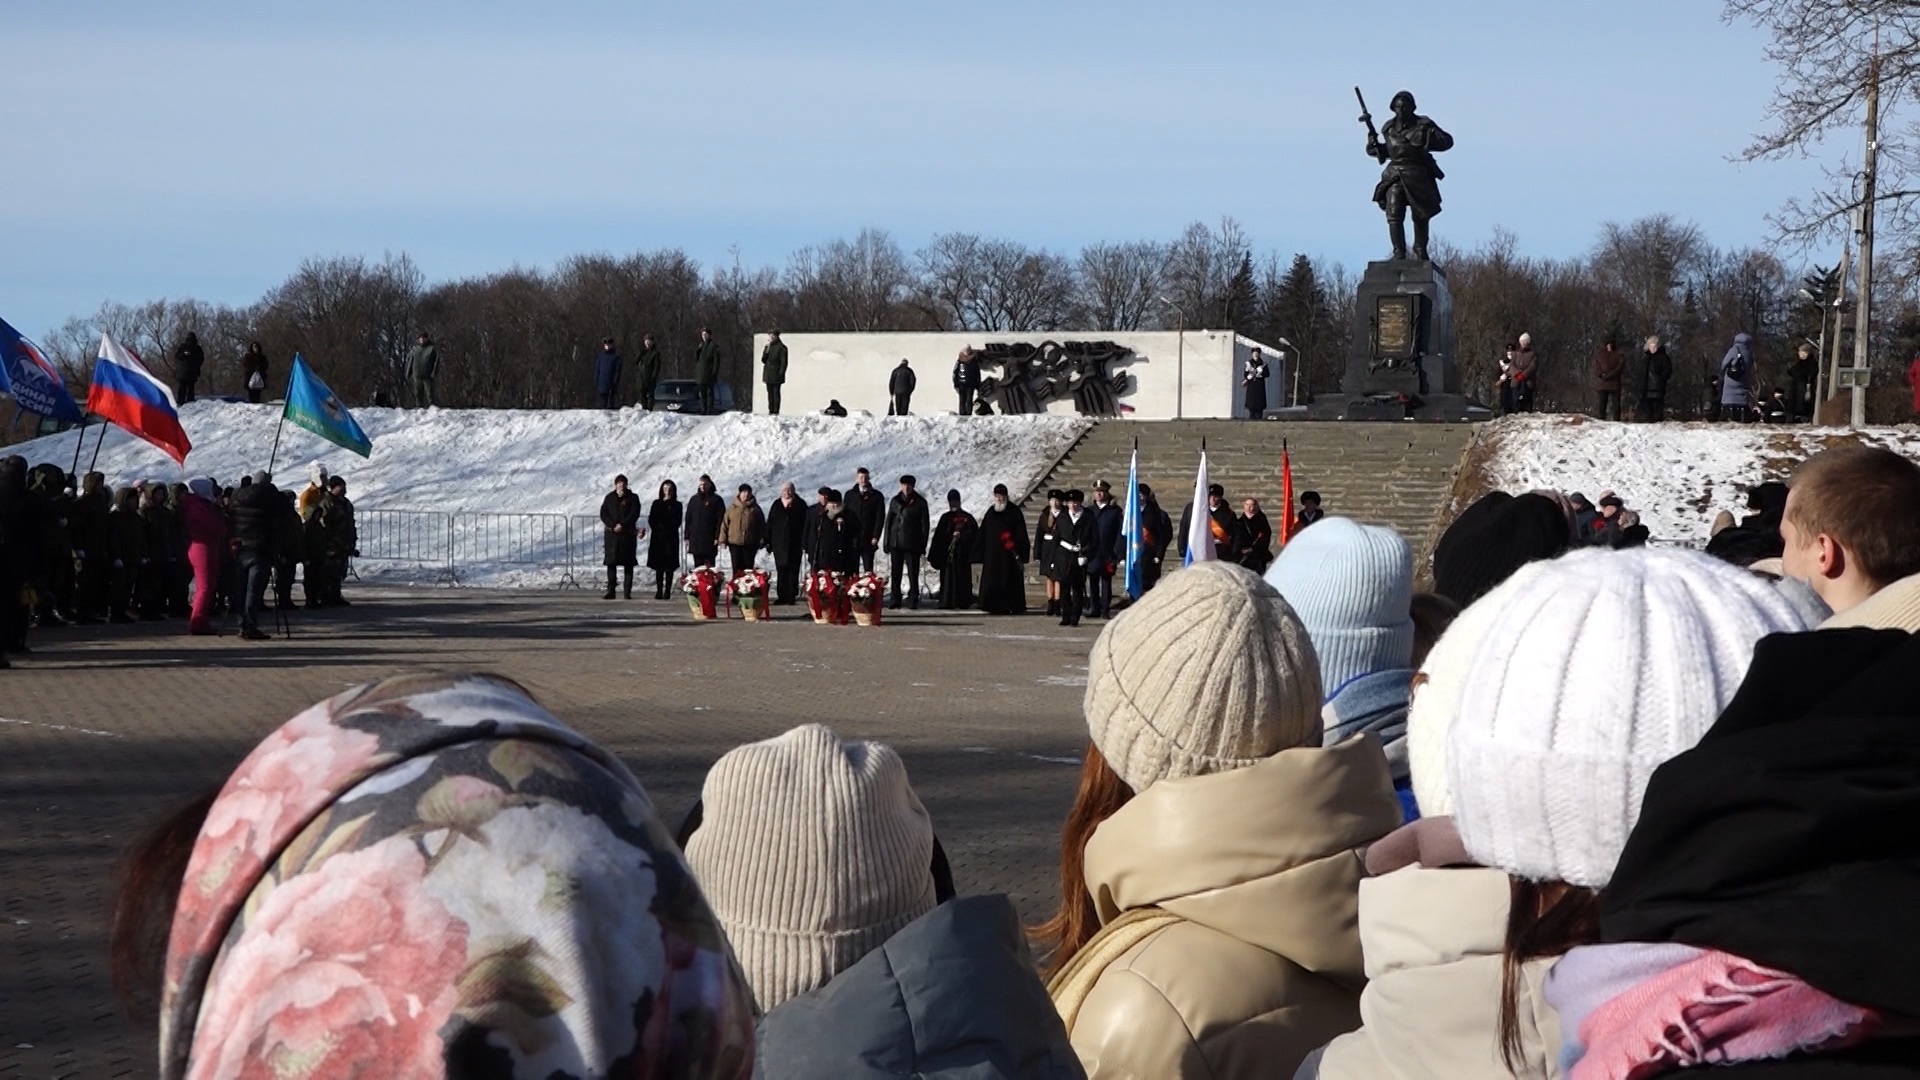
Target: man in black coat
x=900 y=387
x=868 y=509
x=1656 y=372
x=705 y=511
x=1156 y=533
x=1227 y=543
x=815 y=514
x=620 y=515
x=773 y=370
x=840 y=540
x=188 y=359
x=1109 y=551
x=646 y=370
x=787 y=519
x=606 y=375
x=1075 y=534
x=951 y=550
x=906 y=541
x=1002 y=553
x=966 y=379
x=257 y=507
x=18 y=528
x=706 y=371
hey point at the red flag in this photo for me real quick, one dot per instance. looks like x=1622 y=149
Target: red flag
x=1286 y=494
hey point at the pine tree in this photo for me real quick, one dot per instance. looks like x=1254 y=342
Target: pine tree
x=1300 y=312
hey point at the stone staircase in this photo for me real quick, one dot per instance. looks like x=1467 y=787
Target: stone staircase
x=1382 y=473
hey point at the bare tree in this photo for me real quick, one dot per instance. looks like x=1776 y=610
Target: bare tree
x=1201 y=269
x=1118 y=284
x=950 y=280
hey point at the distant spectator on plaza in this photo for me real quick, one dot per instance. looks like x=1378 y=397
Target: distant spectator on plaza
x=900 y=389
x=1526 y=372
x=706 y=369
x=966 y=379
x=423 y=365
x=1656 y=372
x=1736 y=381
x=1310 y=511
x=1802 y=376
x=606 y=375
x=1255 y=382
x=1913 y=380
x=188 y=359
x=646 y=370
x=1608 y=369
x=253 y=371
x=773 y=370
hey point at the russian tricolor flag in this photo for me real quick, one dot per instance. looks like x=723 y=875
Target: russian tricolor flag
x=125 y=394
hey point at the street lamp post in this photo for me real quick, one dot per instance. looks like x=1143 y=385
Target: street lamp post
x=1180 y=362
x=1297 y=361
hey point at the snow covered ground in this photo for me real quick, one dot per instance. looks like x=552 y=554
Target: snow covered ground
x=1678 y=476
x=511 y=462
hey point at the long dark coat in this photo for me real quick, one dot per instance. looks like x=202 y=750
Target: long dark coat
x=869 y=510
x=906 y=530
x=1073 y=541
x=787 y=531
x=663 y=541
x=838 y=546
x=955 y=541
x=623 y=547
x=705 y=512
x=1002 y=554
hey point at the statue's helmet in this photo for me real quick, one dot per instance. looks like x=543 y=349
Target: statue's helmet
x=1403 y=97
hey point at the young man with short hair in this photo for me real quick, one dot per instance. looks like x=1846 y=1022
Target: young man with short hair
x=1852 y=525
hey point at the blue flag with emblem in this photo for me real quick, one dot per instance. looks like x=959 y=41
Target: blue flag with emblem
x=314 y=407
x=33 y=382
x=1136 y=533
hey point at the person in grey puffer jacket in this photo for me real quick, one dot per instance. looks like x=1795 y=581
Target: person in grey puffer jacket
x=1736 y=380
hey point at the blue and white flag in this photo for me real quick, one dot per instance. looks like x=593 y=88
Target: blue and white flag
x=1200 y=524
x=314 y=407
x=1136 y=580
x=32 y=382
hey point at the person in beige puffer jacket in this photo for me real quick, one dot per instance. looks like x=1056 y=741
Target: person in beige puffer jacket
x=1211 y=861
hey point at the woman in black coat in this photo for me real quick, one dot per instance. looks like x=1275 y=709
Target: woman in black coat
x=663 y=545
x=620 y=514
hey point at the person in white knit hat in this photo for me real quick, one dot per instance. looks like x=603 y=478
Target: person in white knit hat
x=1210 y=861
x=1550 y=702
x=1352 y=586
x=813 y=852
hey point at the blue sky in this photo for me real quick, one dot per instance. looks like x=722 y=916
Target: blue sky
x=204 y=149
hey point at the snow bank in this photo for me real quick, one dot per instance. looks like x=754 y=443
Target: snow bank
x=1678 y=476
x=460 y=461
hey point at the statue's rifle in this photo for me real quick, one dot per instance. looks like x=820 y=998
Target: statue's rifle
x=1366 y=117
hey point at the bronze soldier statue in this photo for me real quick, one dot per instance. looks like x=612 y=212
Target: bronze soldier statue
x=1406 y=145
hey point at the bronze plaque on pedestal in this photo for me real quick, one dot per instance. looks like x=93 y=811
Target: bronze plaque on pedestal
x=1394 y=318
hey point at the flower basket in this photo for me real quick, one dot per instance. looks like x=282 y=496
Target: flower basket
x=702 y=587
x=827 y=598
x=865 y=594
x=748 y=589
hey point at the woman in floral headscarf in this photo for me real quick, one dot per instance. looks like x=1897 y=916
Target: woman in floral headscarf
x=431 y=876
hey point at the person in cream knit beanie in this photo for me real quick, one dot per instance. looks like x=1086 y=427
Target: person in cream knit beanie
x=813 y=852
x=1210 y=671
x=1591 y=671
x=1352 y=586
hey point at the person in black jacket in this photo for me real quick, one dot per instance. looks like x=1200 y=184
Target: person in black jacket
x=1227 y=539
x=620 y=517
x=966 y=379
x=1075 y=535
x=787 y=519
x=17 y=526
x=900 y=388
x=1002 y=553
x=253 y=371
x=92 y=548
x=663 y=543
x=1772 y=857
x=255 y=507
x=606 y=376
x=1109 y=552
x=951 y=551
x=814 y=515
x=289 y=552
x=705 y=512
x=1043 y=539
x=1804 y=375
x=1255 y=382
x=1156 y=532
x=1656 y=373
x=868 y=509
x=1256 y=534
x=188 y=359
x=646 y=370
x=906 y=542
x=840 y=543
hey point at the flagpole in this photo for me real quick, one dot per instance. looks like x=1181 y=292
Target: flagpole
x=79 y=442
x=96 y=448
x=285 y=396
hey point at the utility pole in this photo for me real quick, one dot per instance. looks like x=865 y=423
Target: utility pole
x=1863 y=302
x=1839 y=307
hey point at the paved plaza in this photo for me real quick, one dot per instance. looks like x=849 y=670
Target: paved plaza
x=105 y=730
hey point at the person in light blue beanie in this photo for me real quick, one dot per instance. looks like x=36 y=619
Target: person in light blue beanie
x=1352 y=586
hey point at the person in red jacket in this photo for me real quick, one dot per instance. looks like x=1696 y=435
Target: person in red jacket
x=206 y=543
x=1913 y=380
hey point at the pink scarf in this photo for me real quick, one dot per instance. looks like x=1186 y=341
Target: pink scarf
x=1710 y=1008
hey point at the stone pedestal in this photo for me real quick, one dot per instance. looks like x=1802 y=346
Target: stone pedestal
x=1400 y=365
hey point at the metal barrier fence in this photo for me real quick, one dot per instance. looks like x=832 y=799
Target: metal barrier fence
x=454 y=545
x=421 y=538
x=513 y=540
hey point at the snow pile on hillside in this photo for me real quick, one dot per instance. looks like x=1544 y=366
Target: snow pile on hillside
x=562 y=462
x=1678 y=476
